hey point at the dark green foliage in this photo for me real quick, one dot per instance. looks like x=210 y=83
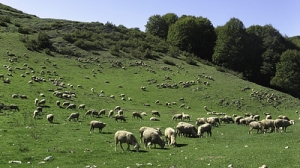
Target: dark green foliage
x=230 y=45
x=287 y=75
x=43 y=40
x=157 y=26
x=24 y=30
x=114 y=50
x=169 y=62
x=193 y=34
x=48 y=52
x=3 y=24
x=5 y=18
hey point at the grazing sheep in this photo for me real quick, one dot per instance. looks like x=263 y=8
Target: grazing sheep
x=97 y=124
x=136 y=115
x=237 y=119
x=102 y=112
x=120 y=117
x=50 y=118
x=154 y=119
x=39 y=109
x=256 y=117
x=73 y=116
x=111 y=113
x=14 y=107
x=65 y=104
x=81 y=106
x=58 y=103
x=35 y=114
x=117 y=108
x=157 y=102
x=283 y=117
x=42 y=102
x=177 y=116
x=186 y=116
x=204 y=128
x=200 y=121
x=152 y=137
x=249 y=120
x=254 y=125
x=126 y=137
x=143 y=113
x=226 y=119
x=15 y=96
x=213 y=121
x=170 y=135
x=92 y=90
x=92 y=112
x=36 y=101
x=282 y=123
x=268 y=116
x=267 y=124
x=71 y=106
x=142 y=129
x=186 y=129
x=120 y=112
x=155 y=113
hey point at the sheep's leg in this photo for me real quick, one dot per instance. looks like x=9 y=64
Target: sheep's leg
x=121 y=146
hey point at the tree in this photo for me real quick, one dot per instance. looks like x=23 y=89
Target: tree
x=43 y=40
x=230 y=45
x=287 y=75
x=193 y=34
x=157 y=26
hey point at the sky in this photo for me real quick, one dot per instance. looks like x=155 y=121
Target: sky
x=282 y=15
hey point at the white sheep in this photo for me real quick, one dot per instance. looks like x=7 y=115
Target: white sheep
x=15 y=96
x=282 y=123
x=126 y=137
x=73 y=116
x=267 y=124
x=81 y=106
x=111 y=113
x=96 y=124
x=200 y=121
x=102 y=112
x=120 y=112
x=136 y=115
x=152 y=137
x=50 y=118
x=186 y=116
x=35 y=114
x=155 y=113
x=177 y=116
x=142 y=129
x=154 y=119
x=170 y=135
x=120 y=117
x=92 y=90
x=117 y=108
x=36 y=101
x=58 y=103
x=254 y=125
x=204 y=128
x=143 y=113
x=71 y=106
x=42 y=102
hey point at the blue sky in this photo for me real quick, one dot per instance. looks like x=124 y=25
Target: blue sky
x=282 y=15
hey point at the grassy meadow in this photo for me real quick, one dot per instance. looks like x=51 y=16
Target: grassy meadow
x=71 y=144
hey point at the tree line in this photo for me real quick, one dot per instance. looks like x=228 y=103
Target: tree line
x=260 y=53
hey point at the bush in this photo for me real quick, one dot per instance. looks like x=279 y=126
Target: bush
x=169 y=62
x=24 y=30
x=114 y=50
x=48 y=52
x=5 y=18
x=3 y=24
x=191 y=61
x=44 y=40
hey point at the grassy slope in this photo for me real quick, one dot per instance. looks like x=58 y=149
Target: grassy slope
x=70 y=143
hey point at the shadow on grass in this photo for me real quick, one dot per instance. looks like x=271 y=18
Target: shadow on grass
x=106 y=132
x=181 y=145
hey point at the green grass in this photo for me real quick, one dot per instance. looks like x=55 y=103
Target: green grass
x=72 y=145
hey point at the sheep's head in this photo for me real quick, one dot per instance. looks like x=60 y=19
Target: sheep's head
x=137 y=147
x=292 y=122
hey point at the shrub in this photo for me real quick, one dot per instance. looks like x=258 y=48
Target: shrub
x=48 y=52
x=44 y=40
x=24 y=30
x=5 y=18
x=169 y=62
x=114 y=50
x=3 y=24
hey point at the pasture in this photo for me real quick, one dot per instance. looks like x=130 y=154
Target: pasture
x=71 y=144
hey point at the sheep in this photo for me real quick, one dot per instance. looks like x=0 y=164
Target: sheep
x=111 y=113
x=126 y=137
x=81 y=106
x=92 y=112
x=36 y=101
x=143 y=113
x=73 y=116
x=177 y=116
x=254 y=125
x=120 y=117
x=35 y=114
x=58 y=103
x=256 y=117
x=283 y=124
x=186 y=116
x=204 y=128
x=155 y=113
x=170 y=135
x=268 y=116
x=117 y=108
x=226 y=119
x=15 y=96
x=237 y=119
x=142 y=129
x=249 y=120
x=120 y=112
x=152 y=137
x=213 y=121
x=102 y=112
x=50 y=118
x=200 y=121
x=65 y=104
x=267 y=124
x=136 y=115
x=39 y=109
x=71 y=106
x=186 y=129
x=14 y=107
x=23 y=96
x=97 y=124
x=283 y=117
x=154 y=119
x=42 y=102
x=157 y=102
x=92 y=90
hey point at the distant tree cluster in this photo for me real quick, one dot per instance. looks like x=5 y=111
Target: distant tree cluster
x=260 y=53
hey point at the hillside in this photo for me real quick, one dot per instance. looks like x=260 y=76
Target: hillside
x=64 y=67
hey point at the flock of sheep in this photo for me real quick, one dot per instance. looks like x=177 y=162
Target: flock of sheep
x=148 y=136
